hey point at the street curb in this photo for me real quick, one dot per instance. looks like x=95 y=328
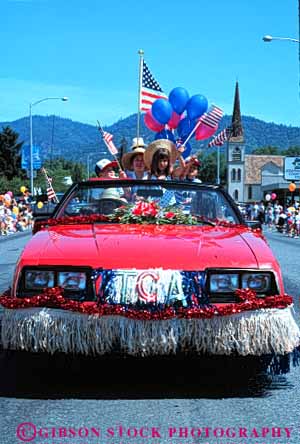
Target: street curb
x=15 y=235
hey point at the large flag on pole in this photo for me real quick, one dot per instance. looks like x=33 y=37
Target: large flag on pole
x=150 y=89
x=220 y=138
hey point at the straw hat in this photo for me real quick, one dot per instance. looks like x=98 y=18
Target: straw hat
x=137 y=147
x=102 y=164
x=156 y=145
x=127 y=158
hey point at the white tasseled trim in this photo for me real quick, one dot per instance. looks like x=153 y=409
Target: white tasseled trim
x=51 y=330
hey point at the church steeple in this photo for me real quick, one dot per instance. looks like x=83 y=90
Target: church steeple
x=237 y=134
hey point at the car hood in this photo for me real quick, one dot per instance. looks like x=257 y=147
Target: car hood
x=147 y=246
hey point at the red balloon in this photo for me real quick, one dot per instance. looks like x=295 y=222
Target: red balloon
x=151 y=123
x=175 y=119
x=204 y=132
x=273 y=196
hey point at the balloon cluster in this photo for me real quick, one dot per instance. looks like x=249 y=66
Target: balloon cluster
x=7 y=198
x=181 y=112
x=272 y=196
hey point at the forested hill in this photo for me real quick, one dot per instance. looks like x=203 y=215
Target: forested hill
x=74 y=140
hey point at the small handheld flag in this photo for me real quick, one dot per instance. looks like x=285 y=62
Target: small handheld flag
x=108 y=140
x=212 y=117
x=221 y=138
x=50 y=190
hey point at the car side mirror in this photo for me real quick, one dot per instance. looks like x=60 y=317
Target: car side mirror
x=253 y=224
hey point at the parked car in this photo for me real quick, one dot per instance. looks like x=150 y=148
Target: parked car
x=149 y=268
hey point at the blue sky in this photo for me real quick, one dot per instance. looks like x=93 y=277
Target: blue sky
x=88 y=51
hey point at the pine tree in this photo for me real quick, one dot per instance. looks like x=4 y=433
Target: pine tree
x=10 y=154
x=77 y=172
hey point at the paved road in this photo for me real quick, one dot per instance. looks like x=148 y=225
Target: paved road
x=10 y=249
x=122 y=398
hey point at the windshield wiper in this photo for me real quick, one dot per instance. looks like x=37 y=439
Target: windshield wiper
x=207 y=222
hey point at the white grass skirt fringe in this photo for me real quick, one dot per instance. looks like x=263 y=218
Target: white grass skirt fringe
x=53 y=330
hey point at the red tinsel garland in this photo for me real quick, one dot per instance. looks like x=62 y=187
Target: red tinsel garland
x=94 y=218
x=53 y=298
x=69 y=220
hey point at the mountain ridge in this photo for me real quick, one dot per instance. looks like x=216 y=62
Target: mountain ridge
x=63 y=137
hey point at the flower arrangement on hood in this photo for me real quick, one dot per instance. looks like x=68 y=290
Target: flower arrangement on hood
x=150 y=213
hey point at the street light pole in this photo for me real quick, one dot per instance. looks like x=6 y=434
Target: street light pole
x=88 y=165
x=64 y=99
x=31 y=149
x=269 y=38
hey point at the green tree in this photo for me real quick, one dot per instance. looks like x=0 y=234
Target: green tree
x=78 y=172
x=271 y=150
x=58 y=169
x=10 y=154
x=208 y=169
x=292 y=151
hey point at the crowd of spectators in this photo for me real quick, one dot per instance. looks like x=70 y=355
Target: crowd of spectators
x=15 y=213
x=273 y=216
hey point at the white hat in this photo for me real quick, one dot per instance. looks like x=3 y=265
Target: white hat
x=137 y=142
x=104 y=163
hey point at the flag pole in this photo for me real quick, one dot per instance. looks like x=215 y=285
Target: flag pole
x=192 y=132
x=141 y=54
x=100 y=129
x=218 y=164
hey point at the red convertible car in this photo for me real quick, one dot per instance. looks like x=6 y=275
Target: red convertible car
x=148 y=268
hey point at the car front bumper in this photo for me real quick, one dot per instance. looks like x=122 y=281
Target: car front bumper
x=254 y=333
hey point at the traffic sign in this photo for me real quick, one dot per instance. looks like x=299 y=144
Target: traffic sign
x=37 y=162
x=292 y=168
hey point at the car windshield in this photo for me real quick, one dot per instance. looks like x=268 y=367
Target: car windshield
x=132 y=201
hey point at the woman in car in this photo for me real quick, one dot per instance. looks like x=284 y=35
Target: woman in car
x=133 y=161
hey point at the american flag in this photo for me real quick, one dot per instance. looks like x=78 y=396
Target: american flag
x=108 y=140
x=50 y=190
x=220 y=138
x=150 y=90
x=212 y=117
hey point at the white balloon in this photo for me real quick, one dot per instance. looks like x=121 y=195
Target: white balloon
x=7 y=196
x=268 y=197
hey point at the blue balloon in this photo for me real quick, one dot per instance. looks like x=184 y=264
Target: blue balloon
x=185 y=126
x=165 y=134
x=187 y=152
x=196 y=106
x=162 y=110
x=178 y=98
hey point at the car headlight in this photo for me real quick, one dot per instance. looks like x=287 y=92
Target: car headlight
x=259 y=282
x=77 y=283
x=224 y=283
x=72 y=280
x=38 y=279
x=221 y=282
